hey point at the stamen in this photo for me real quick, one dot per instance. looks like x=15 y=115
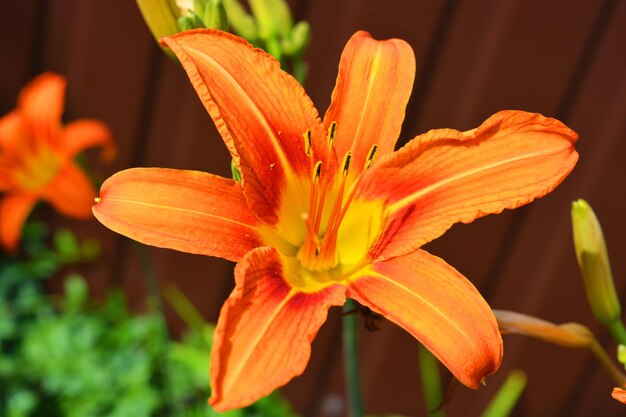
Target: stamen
x=370 y=156
x=307 y=142
x=332 y=130
x=310 y=231
x=317 y=172
x=346 y=163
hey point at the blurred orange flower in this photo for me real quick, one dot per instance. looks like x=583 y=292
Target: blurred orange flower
x=619 y=394
x=36 y=157
x=327 y=209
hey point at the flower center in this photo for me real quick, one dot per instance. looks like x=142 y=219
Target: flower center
x=37 y=168
x=319 y=250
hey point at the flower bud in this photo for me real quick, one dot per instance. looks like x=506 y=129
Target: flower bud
x=593 y=261
x=215 y=15
x=273 y=18
x=298 y=39
x=160 y=16
x=571 y=335
x=242 y=23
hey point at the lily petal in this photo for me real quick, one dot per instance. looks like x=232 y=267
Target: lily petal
x=446 y=176
x=619 y=394
x=14 y=209
x=82 y=134
x=12 y=134
x=373 y=88
x=189 y=211
x=261 y=112
x=70 y=192
x=42 y=102
x=440 y=307
x=264 y=332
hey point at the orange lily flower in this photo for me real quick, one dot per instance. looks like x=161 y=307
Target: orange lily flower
x=619 y=394
x=327 y=210
x=36 y=157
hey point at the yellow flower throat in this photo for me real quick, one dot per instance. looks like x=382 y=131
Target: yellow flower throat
x=319 y=252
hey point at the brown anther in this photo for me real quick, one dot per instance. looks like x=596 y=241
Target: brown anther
x=332 y=130
x=370 y=156
x=317 y=172
x=307 y=142
x=346 y=163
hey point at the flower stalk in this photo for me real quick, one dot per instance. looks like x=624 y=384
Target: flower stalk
x=351 y=358
x=431 y=382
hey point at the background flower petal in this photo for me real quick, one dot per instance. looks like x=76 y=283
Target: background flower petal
x=264 y=332
x=71 y=192
x=373 y=87
x=83 y=134
x=41 y=102
x=446 y=176
x=14 y=209
x=261 y=112
x=439 y=306
x=189 y=211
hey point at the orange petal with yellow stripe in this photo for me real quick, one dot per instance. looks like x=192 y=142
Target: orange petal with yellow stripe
x=189 y=211
x=446 y=176
x=373 y=88
x=439 y=306
x=264 y=332
x=261 y=112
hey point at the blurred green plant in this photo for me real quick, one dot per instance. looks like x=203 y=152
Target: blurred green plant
x=70 y=356
x=269 y=26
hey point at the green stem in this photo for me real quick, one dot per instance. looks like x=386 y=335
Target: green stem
x=618 y=331
x=506 y=398
x=351 y=363
x=616 y=374
x=150 y=277
x=431 y=382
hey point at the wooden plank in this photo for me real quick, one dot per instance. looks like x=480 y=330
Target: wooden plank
x=541 y=277
x=19 y=30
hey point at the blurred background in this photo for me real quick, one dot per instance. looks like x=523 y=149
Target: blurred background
x=565 y=59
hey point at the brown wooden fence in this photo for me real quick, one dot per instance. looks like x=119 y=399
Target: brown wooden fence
x=565 y=59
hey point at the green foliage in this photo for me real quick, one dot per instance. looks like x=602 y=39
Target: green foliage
x=70 y=356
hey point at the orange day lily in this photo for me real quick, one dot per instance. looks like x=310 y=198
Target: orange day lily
x=619 y=394
x=326 y=209
x=36 y=157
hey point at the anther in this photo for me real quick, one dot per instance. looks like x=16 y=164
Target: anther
x=332 y=130
x=307 y=142
x=346 y=163
x=97 y=200
x=317 y=172
x=370 y=156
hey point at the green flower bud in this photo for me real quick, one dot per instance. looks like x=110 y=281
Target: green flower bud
x=160 y=16
x=621 y=354
x=215 y=15
x=199 y=6
x=298 y=40
x=273 y=17
x=593 y=261
x=242 y=23
x=185 y=23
